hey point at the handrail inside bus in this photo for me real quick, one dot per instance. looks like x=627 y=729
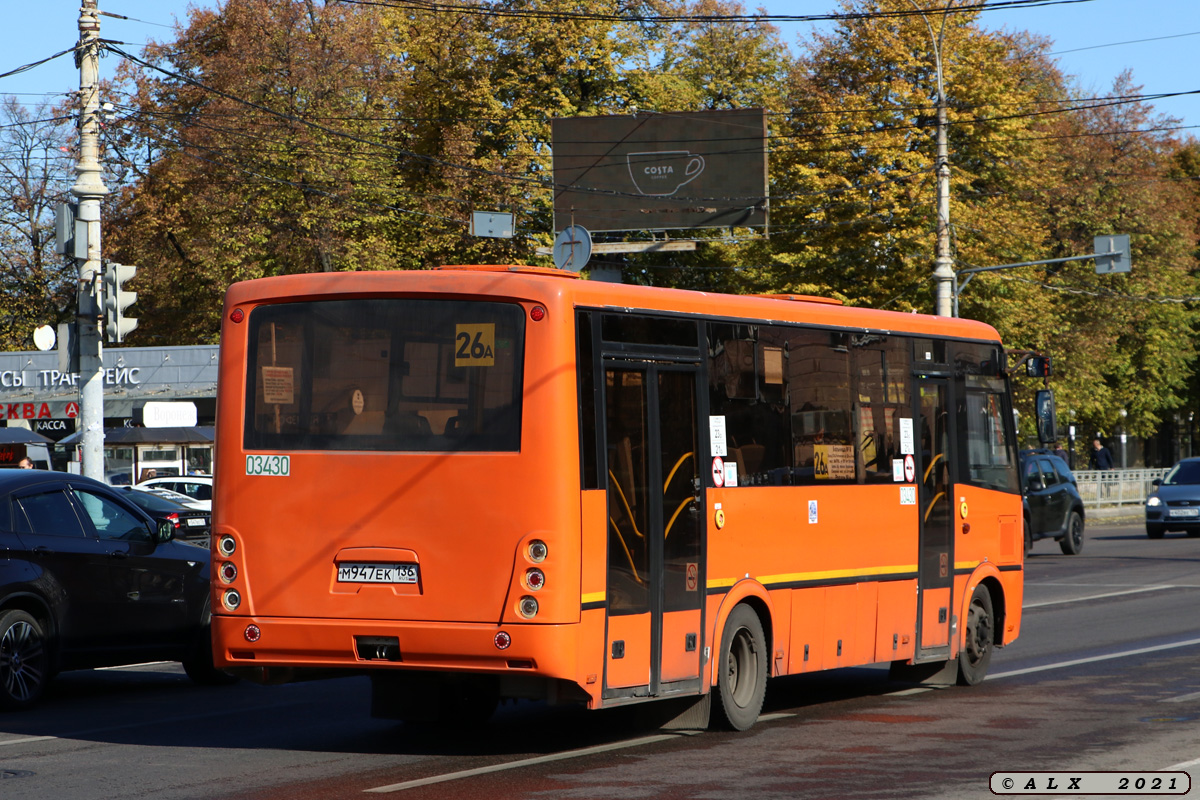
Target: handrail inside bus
x=628 y=509
x=932 y=503
x=678 y=464
x=675 y=516
x=625 y=547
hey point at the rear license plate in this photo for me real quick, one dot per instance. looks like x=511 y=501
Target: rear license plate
x=377 y=573
x=1183 y=512
x=196 y=522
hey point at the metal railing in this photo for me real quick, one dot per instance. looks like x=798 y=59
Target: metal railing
x=1116 y=487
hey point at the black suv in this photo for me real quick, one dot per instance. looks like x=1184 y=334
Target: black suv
x=87 y=579
x=1053 y=507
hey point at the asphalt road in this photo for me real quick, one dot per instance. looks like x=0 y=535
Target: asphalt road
x=1105 y=676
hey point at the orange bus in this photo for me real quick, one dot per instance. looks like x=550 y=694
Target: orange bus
x=493 y=482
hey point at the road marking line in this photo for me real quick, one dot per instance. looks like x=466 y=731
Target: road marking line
x=1099 y=596
x=1184 y=765
x=1183 y=698
x=586 y=751
x=915 y=690
x=1094 y=659
x=27 y=740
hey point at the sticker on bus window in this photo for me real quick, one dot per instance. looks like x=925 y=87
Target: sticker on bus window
x=716 y=436
x=906 y=437
x=475 y=345
x=278 y=385
x=898 y=470
x=833 y=462
x=908 y=495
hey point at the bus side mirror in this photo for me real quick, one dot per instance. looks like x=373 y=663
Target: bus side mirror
x=1047 y=422
x=1039 y=367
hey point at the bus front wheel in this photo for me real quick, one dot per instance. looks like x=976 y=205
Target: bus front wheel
x=976 y=655
x=741 y=670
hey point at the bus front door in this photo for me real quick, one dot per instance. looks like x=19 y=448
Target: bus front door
x=655 y=580
x=935 y=502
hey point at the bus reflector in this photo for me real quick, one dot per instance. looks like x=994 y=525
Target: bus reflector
x=237 y=315
x=535 y=579
x=231 y=599
x=502 y=640
x=253 y=633
x=537 y=551
x=537 y=313
x=528 y=607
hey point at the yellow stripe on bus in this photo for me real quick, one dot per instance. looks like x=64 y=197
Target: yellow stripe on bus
x=824 y=575
x=592 y=597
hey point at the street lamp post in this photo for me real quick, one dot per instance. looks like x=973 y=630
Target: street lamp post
x=943 y=264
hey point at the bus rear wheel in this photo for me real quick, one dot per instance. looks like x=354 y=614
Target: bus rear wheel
x=976 y=654
x=741 y=670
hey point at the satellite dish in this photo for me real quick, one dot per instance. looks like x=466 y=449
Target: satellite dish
x=572 y=248
x=44 y=338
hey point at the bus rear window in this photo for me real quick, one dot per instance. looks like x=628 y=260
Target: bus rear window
x=387 y=374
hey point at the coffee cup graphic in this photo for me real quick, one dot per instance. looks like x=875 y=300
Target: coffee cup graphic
x=663 y=173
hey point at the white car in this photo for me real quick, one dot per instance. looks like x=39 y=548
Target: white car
x=197 y=487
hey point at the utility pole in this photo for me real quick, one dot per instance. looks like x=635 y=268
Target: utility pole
x=943 y=264
x=89 y=188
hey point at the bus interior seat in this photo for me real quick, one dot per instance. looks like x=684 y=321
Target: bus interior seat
x=407 y=423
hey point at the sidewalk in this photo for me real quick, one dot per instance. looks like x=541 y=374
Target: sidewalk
x=1126 y=513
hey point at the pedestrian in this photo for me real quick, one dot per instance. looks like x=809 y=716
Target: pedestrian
x=1058 y=451
x=25 y=463
x=1100 y=457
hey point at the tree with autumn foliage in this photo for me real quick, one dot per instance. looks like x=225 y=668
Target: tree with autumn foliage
x=37 y=286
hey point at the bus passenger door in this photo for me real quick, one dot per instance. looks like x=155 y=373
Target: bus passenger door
x=655 y=570
x=935 y=502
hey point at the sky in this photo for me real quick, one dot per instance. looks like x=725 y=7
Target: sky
x=1159 y=40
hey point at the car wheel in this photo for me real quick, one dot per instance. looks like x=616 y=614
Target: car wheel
x=1072 y=542
x=24 y=660
x=1155 y=531
x=741 y=670
x=976 y=654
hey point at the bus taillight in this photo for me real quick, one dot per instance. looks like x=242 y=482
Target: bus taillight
x=253 y=633
x=535 y=579
x=537 y=313
x=502 y=640
x=231 y=599
x=226 y=545
x=228 y=572
x=537 y=551
x=528 y=607
x=237 y=315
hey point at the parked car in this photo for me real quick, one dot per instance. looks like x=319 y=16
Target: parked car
x=186 y=523
x=197 y=487
x=1052 y=504
x=182 y=499
x=1174 y=505
x=87 y=579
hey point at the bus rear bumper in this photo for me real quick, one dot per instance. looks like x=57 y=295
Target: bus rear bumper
x=547 y=650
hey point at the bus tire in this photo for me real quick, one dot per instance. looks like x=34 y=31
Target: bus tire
x=1072 y=541
x=741 y=670
x=24 y=660
x=976 y=654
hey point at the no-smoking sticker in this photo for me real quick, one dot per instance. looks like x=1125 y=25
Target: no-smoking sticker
x=718 y=471
x=910 y=469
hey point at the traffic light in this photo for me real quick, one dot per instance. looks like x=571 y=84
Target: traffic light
x=116 y=300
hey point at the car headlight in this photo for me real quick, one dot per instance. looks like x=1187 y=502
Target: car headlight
x=1153 y=501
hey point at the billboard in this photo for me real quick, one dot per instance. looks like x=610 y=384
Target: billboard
x=682 y=170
